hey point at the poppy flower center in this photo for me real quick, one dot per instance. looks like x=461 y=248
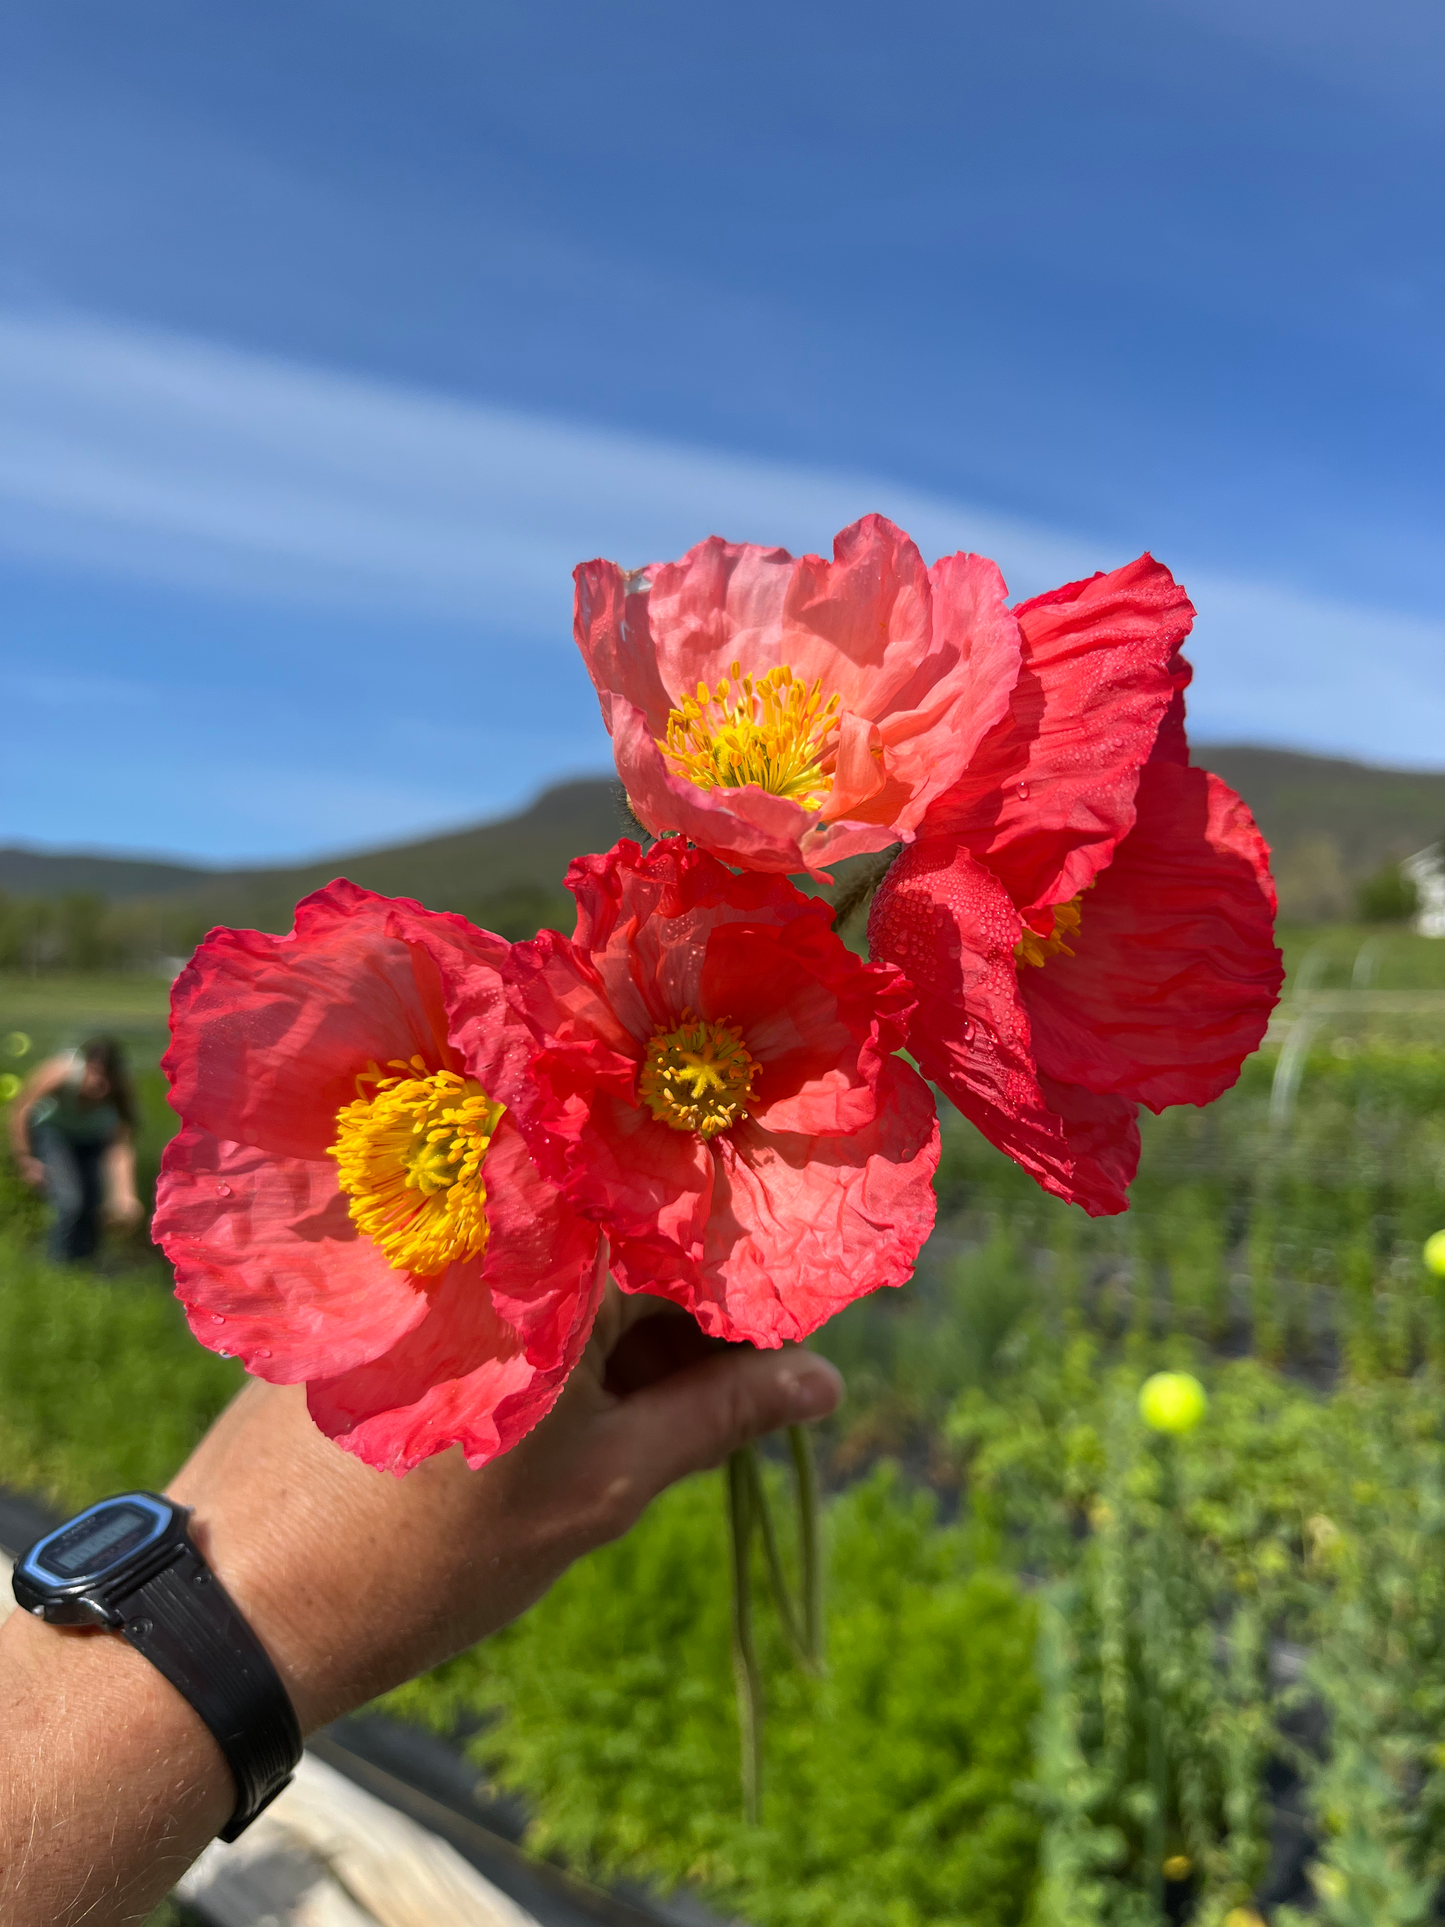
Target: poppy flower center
x=409 y=1152
x=773 y=732
x=1036 y=947
x=698 y=1077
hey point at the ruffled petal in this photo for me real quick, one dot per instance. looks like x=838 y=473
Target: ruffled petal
x=644 y=924
x=269 y=1265
x=269 y=1033
x=723 y=602
x=463 y=1377
x=540 y=1255
x=1102 y=1134
x=818 y=1022
x=648 y=1186
x=947 y=922
x=610 y=624
x=801 y=1226
x=1175 y=968
x=1050 y=791
x=922 y=741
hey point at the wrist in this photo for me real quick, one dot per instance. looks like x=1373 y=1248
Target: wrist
x=135 y=1781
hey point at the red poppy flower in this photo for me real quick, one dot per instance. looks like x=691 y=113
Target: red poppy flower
x=349 y=1200
x=718 y=1089
x=1087 y=920
x=785 y=714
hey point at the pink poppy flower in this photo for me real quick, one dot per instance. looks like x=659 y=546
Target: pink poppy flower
x=349 y=1201
x=1088 y=921
x=784 y=713
x=718 y=1089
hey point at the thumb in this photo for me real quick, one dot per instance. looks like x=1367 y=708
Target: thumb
x=694 y=1418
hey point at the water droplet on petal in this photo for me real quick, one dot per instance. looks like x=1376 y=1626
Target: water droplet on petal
x=969 y=1029
x=217 y=1319
x=263 y=1354
x=1023 y=792
x=223 y=1190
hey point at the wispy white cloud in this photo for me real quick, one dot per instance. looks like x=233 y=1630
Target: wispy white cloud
x=186 y=463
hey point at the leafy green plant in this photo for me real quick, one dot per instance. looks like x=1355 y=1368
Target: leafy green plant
x=101 y=1384
x=894 y=1785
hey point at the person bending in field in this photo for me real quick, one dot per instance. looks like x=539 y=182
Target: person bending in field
x=72 y=1129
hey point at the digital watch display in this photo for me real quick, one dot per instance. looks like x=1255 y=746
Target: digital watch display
x=129 y=1564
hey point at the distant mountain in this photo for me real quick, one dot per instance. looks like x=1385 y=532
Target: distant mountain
x=41 y=873
x=1331 y=824
x=522 y=857
x=507 y=875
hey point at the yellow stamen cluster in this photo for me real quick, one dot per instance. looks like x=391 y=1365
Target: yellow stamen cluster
x=1031 y=948
x=409 y=1152
x=773 y=731
x=698 y=1077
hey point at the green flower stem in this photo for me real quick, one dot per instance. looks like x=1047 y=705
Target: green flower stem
x=782 y=1592
x=810 y=1540
x=745 y=1659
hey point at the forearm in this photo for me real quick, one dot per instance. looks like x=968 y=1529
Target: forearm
x=18 y=1125
x=120 y=1168
x=109 y=1783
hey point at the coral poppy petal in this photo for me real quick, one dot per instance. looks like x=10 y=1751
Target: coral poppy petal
x=651 y=1187
x=817 y=1021
x=269 y=1265
x=1175 y=969
x=463 y=1377
x=610 y=623
x=1050 y=791
x=801 y=1226
x=270 y=1032
x=946 y=921
x=1102 y=1133
x=723 y=600
x=539 y=1254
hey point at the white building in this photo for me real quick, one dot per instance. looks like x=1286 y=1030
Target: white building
x=1426 y=870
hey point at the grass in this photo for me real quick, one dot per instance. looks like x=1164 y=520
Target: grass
x=1057 y=1642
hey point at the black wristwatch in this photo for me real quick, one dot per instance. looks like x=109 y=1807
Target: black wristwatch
x=129 y=1564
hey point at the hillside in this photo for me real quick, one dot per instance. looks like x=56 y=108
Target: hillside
x=521 y=858
x=45 y=873
x=1331 y=824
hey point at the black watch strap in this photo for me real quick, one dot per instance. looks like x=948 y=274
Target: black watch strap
x=187 y=1625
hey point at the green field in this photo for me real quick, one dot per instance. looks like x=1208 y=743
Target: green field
x=1066 y=1655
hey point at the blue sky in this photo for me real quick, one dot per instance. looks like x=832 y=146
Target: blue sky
x=333 y=333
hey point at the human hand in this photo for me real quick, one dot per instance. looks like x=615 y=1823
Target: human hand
x=32 y=1172
x=124 y=1209
x=356 y=1580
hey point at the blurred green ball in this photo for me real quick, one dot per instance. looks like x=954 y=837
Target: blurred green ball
x=1172 y=1402
x=9 y=1086
x=1435 y=1253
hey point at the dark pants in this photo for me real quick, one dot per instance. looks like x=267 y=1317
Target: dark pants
x=74 y=1189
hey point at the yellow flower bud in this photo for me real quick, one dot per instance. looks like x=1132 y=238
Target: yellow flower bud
x=1172 y=1402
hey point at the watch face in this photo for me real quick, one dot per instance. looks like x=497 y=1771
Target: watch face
x=98 y=1540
